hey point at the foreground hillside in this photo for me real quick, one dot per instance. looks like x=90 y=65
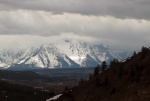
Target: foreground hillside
x=125 y=81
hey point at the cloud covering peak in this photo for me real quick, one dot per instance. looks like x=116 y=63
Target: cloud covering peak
x=122 y=24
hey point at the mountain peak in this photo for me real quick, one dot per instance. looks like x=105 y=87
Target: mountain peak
x=61 y=54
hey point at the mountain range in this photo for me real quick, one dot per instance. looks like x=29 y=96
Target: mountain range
x=61 y=54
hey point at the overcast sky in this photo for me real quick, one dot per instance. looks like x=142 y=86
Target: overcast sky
x=120 y=24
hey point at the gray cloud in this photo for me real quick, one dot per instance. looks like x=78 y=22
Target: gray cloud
x=47 y=24
x=122 y=34
x=139 y=9
x=124 y=25
x=25 y=41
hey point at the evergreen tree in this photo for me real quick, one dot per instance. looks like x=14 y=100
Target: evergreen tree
x=90 y=77
x=121 y=72
x=96 y=71
x=106 y=81
x=81 y=81
x=103 y=66
x=113 y=91
x=134 y=53
x=97 y=82
x=66 y=89
x=113 y=62
x=144 y=50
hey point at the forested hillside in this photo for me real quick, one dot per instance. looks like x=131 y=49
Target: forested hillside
x=128 y=80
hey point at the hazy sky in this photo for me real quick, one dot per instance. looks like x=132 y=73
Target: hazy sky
x=120 y=24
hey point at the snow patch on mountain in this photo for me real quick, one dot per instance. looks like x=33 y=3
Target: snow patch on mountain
x=61 y=54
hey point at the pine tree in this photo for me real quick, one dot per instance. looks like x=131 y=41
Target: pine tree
x=134 y=53
x=81 y=81
x=113 y=62
x=66 y=89
x=90 y=77
x=96 y=71
x=106 y=81
x=97 y=82
x=103 y=66
x=113 y=91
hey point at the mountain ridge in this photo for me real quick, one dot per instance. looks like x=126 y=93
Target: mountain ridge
x=61 y=54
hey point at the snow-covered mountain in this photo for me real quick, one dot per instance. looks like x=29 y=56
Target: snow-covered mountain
x=62 y=54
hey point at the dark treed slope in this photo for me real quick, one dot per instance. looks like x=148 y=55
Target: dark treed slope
x=15 y=92
x=125 y=81
x=22 y=75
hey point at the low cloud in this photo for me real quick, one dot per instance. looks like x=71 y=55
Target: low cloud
x=123 y=25
x=47 y=24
